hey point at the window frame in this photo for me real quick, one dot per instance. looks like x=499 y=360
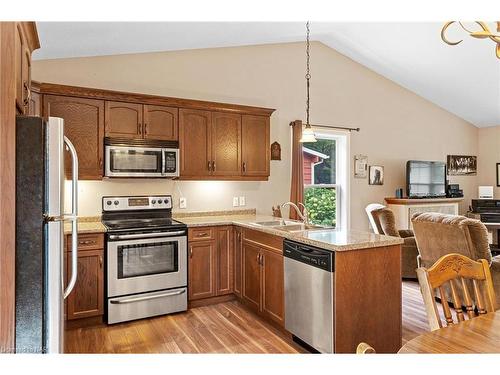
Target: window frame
x=342 y=174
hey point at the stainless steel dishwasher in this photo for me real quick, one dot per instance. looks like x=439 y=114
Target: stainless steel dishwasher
x=309 y=286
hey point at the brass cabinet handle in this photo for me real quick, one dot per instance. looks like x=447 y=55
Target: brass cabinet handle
x=204 y=234
x=244 y=167
x=258 y=258
x=139 y=128
x=100 y=163
x=145 y=128
x=100 y=261
x=190 y=252
x=213 y=166
x=208 y=165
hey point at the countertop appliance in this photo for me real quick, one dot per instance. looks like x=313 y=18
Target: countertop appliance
x=309 y=287
x=40 y=217
x=141 y=158
x=146 y=258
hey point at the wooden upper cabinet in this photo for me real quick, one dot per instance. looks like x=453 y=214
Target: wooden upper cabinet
x=226 y=144
x=255 y=145
x=84 y=127
x=194 y=142
x=160 y=123
x=123 y=120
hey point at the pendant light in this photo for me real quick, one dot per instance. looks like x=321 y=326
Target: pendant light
x=307 y=132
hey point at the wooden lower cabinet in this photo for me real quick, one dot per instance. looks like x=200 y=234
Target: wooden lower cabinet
x=251 y=290
x=237 y=253
x=87 y=298
x=201 y=270
x=210 y=266
x=263 y=277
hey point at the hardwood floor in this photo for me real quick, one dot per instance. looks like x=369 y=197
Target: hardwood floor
x=227 y=327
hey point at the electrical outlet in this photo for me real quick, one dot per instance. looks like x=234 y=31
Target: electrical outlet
x=235 y=202
x=182 y=202
x=242 y=201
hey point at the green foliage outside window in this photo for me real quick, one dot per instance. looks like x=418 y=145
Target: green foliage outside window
x=321 y=205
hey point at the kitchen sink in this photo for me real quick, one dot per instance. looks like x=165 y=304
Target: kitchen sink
x=288 y=226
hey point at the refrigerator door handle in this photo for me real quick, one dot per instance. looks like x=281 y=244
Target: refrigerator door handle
x=73 y=218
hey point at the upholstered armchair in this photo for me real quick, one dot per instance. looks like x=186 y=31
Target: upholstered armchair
x=438 y=234
x=383 y=222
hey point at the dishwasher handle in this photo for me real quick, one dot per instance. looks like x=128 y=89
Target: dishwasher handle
x=310 y=255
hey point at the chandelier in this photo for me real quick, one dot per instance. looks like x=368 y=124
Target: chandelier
x=307 y=132
x=482 y=33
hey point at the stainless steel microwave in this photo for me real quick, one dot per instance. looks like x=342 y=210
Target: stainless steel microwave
x=139 y=158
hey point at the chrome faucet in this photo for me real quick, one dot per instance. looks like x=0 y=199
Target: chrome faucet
x=304 y=216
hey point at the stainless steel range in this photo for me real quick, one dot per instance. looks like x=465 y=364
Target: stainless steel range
x=146 y=258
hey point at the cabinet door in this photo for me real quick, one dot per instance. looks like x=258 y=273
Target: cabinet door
x=84 y=126
x=194 y=142
x=226 y=144
x=224 y=261
x=273 y=297
x=251 y=275
x=202 y=269
x=255 y=145
x=160 y=123
x=123 y=120
x=237 y=273
x=87 y=298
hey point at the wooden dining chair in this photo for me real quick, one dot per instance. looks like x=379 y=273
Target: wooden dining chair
x=364 y=348
x=457 y=273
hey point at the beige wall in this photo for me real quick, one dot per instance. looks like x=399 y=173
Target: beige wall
x=396 y=125
x=489 y=155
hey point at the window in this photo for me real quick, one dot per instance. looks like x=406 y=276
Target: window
x=324 y=170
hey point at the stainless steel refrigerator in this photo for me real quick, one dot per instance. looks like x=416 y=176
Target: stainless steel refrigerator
x=40 y=274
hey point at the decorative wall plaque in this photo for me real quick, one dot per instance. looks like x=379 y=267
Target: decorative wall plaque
x=275 y=151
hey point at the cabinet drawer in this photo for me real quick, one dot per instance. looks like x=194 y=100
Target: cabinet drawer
x=90 y=241
x=201 y=234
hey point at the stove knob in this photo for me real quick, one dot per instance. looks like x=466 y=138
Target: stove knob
x=109 y=203
x=153 y=201
x=160 y=201
x=116 y=203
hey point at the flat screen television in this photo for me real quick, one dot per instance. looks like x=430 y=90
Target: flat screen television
x=425 y=179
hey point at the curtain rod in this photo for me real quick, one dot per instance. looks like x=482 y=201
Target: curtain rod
x=332 y=127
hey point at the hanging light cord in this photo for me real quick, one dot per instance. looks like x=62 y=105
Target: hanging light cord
x=308 y=74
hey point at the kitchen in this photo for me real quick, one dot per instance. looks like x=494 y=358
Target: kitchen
x=133 y=246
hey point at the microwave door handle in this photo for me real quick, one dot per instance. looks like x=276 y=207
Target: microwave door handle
x=73 y=218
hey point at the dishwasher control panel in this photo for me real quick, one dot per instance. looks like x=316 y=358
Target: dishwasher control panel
x=310 y=255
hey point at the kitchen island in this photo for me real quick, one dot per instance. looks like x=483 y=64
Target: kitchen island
x=367 y=296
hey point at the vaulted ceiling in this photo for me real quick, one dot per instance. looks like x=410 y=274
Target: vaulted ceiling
x=464 y=79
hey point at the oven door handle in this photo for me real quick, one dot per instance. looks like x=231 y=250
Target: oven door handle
x=145 y=235
x=146 y=298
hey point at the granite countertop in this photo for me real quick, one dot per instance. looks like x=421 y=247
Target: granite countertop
x=87 y=225
x=328 y=238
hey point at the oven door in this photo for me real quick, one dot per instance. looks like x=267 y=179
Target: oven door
x=143 y=265
x=125 y=161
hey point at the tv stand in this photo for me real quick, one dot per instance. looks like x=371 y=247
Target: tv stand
x=405 y=208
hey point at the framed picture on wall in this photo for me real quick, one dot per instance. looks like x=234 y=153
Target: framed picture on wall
x=461 y=165
x=376 y=175
x=360 y=166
